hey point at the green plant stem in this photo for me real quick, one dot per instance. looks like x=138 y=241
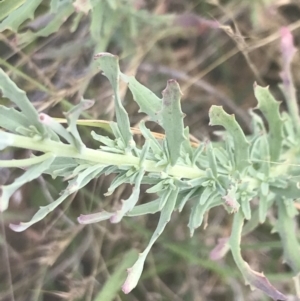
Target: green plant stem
x=97 y=156
x=286 y=228
x=235 y=239
x=25 y=162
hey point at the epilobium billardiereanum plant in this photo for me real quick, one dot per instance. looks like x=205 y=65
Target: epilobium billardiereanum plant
x=230 y=173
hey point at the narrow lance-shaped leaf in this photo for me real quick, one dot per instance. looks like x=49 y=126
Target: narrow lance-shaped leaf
x=57 y=128
x=264 y=152
x=8 y=6
x=183 y=198
x=128 y=205
x=154 y=144
x=109 y=64
x=11 y=91
x=80 y=181
x=263 y=201
x=21 y=14
x=241 y=146
x=212 y=159
x=172 y=120
x=148 y=102
x=147 y=208
x=270 y=108
x=12 y=120
x=72 y=117
x=285 y=226
x=197 y=213
x=65 y=10
x=134 y=273
x=31 y=173
x=254 y=279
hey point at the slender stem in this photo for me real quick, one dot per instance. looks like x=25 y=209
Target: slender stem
x=235 y=239
x=63 y=150
x=25 y=162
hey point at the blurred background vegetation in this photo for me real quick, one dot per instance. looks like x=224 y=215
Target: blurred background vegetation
x=216 y=50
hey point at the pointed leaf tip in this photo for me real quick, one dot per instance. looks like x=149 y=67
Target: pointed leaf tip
x=17 y=227
x=172 y=120
x=134 y=274
x=259 y=281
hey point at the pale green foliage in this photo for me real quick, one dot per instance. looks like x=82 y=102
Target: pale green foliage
x=230 y=173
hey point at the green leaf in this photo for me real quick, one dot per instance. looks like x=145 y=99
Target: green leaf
x=254 y=279
x=270 y=108
x=11 y=91
x=245 y=206
x=148 y=102
x=64 y=12
x=241 y=146
x=292 y=191
x=172 y=120
x=72 y=117
x=80 y=181
x=62 y=166
x=285 y=226
x=109 y=64
x=197 y=213
x=154 y=144
x=135 y=271
x=120 y=179
x=212 y=159
x=19 y=15
x=184 y=197
x=205 y=195
x=264 y=200
x=5 y=140
x=147 y=208
x=9 y=6
x=57 y=128
x=128 y=205
x=31 y=173
x=11 y=119
x=198 y=151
